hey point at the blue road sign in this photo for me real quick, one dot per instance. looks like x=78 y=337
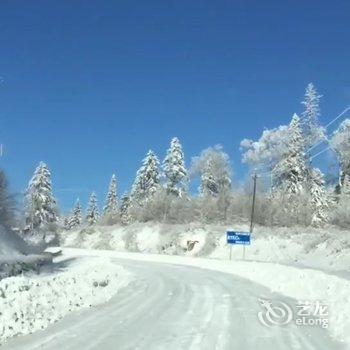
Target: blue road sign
x=234 y=237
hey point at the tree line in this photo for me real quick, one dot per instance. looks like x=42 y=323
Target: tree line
x=291 y=190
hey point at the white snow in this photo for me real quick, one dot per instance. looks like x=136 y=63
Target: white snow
x=326 y=249
x=29 y=303
x=296 y=283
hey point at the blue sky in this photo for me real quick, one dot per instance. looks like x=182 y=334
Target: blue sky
x=90 y=86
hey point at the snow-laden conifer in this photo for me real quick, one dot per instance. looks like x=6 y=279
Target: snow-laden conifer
x=40 y=204
x=208 y=185
x=75 y=218
x=340 y=143
x=147 y=180
x=174 y=169
x=92 y=213
x=111 y=207
x=313 y=132
x=125 y=206
x=290 y=174
x=319 y=198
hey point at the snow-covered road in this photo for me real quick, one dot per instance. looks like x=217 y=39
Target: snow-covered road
x=176 y=307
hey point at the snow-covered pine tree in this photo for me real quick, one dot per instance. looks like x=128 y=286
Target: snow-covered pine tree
x=290 y=174
x=147 y=179
x=111 y=207
x=66 y=223
x=40 y=206
x=174 y=169
x=319 y=198
x=76 y=217
x=313 y=132
x=208 y=185
x=340 y=143
x=125 y=206
x=7 y=205
x=92 y=213
x=346 y=186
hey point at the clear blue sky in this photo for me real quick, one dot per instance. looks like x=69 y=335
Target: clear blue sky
x=90 y=86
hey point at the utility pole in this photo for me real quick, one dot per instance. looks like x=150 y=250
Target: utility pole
x=255 y=177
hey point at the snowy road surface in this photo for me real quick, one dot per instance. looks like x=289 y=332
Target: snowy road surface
x=176 y=307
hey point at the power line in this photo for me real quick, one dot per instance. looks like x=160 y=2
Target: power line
x=326 y=127
x=314 y=146
x=337 y=117
x=317 y=154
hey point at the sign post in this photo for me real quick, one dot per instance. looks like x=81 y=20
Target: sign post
x=243 y=238
x=239 y=238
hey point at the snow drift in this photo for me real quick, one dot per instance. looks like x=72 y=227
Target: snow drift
x=31 y=303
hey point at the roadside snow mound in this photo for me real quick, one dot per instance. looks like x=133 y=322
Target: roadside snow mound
x=31 y=303
x=327 y=249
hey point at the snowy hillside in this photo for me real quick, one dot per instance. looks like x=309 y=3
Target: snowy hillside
x=327 y=249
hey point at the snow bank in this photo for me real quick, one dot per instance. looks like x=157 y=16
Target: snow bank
x=30 y=303
x=327 y=249
x=296 y=283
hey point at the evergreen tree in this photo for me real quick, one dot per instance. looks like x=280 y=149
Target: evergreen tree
x=76 y=218
x=340 y=143
x=66 y=223
x=7 y=205
x=208 y=185
x=92 y=214
x=313 y=132
x=290 y=174
x=40 y=203
x=147 y=179
x=111 y=207
x=174 y=169
x=125 y=206
x=319 y=198
x=346 y=186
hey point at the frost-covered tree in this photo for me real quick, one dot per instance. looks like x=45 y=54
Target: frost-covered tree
x=268 y=150
x=290 y=174
x=111 y=207
x=147 y=180
x=66 y=223
x=75 y=218
x=174 y=169
x=313 y=132
x=208 y=185
x=319 y=198
x=213 y=166
x=40 y=206
x=92 y=213
x=341 y=213
x=340 y=143
x=7 y=205
x=346 y=186
x=125 y=206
